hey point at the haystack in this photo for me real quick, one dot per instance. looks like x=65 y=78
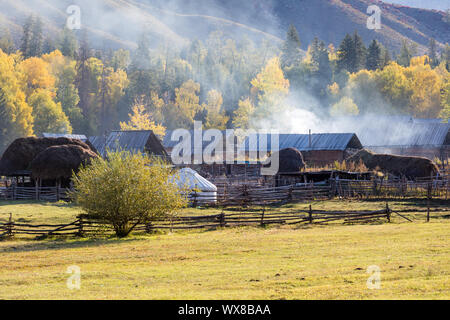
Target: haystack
x=21 y=152
x=59 y=162
x=410 y=167
x=291 y=161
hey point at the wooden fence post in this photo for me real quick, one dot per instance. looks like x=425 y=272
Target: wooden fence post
x=80 y=226
x=388 y=212
x=10 y=229
x=262 y=216
x=222 y=220
x=289 y=197
x=194 y=203
x=310 y=214
x=429 y=190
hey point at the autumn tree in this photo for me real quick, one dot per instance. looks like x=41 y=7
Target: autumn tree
x=140 y=119
x=270 y=89
x=16 y=119
x=344 y=107
x=243 y=114
x=48 y=115
x=216 y=118
x=125 y=190
x=37 y=75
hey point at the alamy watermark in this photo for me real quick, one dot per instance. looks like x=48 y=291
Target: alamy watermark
x=374 y=281
x=211 y=146
x=74 y=19
x=74 y=280
x=374 y=20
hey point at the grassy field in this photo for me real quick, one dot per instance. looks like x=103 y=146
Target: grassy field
x=318 y=262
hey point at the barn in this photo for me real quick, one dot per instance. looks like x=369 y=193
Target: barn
x=318 y=150
x=142 y=141
x=420 y=138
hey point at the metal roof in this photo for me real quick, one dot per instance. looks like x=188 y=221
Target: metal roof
x=322 y=141
x=132 y=141
x=168 y=143
x=81 y=137
x=421 y=134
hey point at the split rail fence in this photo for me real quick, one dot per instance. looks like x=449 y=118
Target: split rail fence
x=256 y=193
x=86 y=226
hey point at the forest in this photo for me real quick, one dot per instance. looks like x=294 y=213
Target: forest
x=63 y=85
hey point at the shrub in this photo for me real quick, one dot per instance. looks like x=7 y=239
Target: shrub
x=126 y=189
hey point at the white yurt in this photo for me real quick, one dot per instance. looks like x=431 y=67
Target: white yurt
x=203 y=190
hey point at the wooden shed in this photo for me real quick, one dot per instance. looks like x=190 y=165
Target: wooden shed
x=318 y=150
x=143 y=141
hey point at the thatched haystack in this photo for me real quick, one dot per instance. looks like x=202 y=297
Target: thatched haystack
x=21 y=152
x=59 y=162
x=410 y=167
x=291 y=161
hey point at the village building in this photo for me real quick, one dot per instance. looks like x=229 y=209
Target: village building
x=318 y=150
x=429 y=139
x=143 y=141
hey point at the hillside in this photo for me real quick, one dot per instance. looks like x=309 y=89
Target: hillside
x=118 y=23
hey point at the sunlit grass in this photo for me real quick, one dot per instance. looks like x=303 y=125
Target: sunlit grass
x=309 y=262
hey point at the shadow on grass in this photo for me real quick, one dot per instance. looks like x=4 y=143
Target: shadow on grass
x=60 y=204
x=63 y=243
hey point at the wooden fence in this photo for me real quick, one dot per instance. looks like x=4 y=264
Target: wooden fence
x=256 y=193
x=246 y=195
x=85 y=226
x=12 y=228
x=50 y=194
x=438 y=188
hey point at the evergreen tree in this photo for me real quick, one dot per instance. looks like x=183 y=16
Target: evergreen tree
x=37 y=38
x=374 y=58
x=68 y=43
x=84 y=80
x=346 y=54
x=360 y=53
x=445 y=57
x=141 y=57
x=291 y=52
x=25 y=46
x=385 y=56
x=321 y=61
x=48 y=46
x=6 y=42
x=406 y=53
x=432 y=53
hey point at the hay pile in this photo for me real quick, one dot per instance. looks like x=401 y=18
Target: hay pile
x=291 y=161
x=59 y=162
x=19 y=155
x=410 y=167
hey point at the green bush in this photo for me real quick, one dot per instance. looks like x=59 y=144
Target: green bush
x=126 y=190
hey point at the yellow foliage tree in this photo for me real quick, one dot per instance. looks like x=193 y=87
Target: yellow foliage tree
x=140 y=119
x=344 y=107
x=243 y=114
x=37 y=75
x=16 y=119
x=426 y=83
x=271 y=89
x=216 y=118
